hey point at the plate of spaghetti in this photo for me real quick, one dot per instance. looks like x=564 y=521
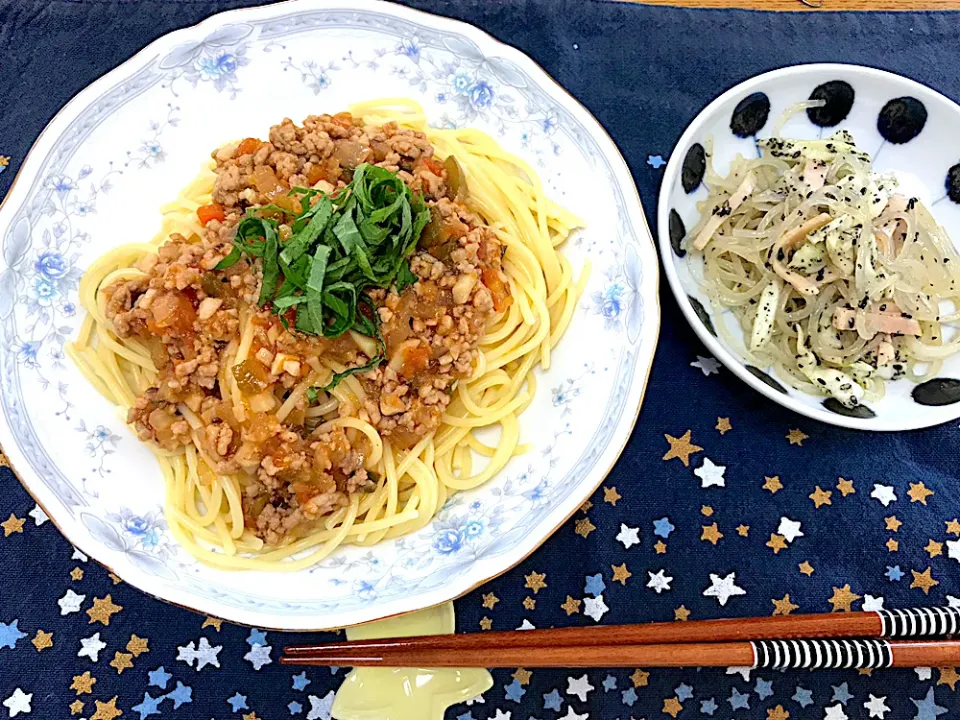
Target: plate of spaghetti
x=305 y=338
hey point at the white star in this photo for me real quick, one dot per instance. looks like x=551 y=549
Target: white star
x=571 y=715
x=876 y=706
x=953 y=602
x=595 y=607
x=70 y=602
x=659 y=582
x=923 y=673
x=723 y=588
x=77 y=555
x=790 y=529
x=883 y=493
x=204 y=654
x=38 y=515
x=708 y=365
x=872 y=603
x=259 y=655
x=835 y=713
x=477 y=699
x=742 y=671
x=320 y=707
x=501 y=715
x=628 y=536
x=710 y=474
x=527 y=625
x=91 y=647
x=579 y=687
x=19 y=702
x=953 y=549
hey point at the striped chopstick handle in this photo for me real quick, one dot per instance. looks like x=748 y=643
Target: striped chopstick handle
x=821 y=654
x=919 y=622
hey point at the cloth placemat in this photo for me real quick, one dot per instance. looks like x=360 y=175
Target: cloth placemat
x=799 y=517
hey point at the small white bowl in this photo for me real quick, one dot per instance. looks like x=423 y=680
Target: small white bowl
x=923 y=162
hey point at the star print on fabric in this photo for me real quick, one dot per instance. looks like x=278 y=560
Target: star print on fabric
x=203 y=654
x=300 y=681
x=777 y=713
x=723 y=588
x=663 y=527
x=38 y=515
x=772 y=484
x=923 y=580
x=296 y=708
x=527 y=625
x=723 y=425
x=522 y=676
x=923 y=673
x=845 y=487
x=628 y=536
x=103 y=609
x=742 y=671
x=535 y=582
x=934 y=548
x=681 y=614
x=660 y=547
x=12 y=525
x=571 y=715
x=743 y=530
x=137 y=646
x=919 y=492
x=76 y=707
x=806 y=568
x=706 y=510
x=953 y=550
x=790 y=529
x=594 y=585
x=213 y=622
x=610 y=495
x=892 y=545
x=91 y=647
x=710 y=474
x=529 y=603
x=76 y=574
x=121 y=661
x=18 y=702
x=258 y=656
x=927 y=709
x=514 y=692
x=70 y=602
x=820 y=497
x=776 y=543
x=320 y=707
x=552 y=700
x=872 y=603
x=106 y=710
x=659 y=581
x=256 y=637
x=834 y=712
x=148 y=706
x=710 y=533
x=609 y=683
x=948 y=676
x=41 y=641
x=683 y=692
x=83 y=684
x=783 y=606
x=580 y=687
x=894 y=573
x=877 y=707
x=884 y=494
x=77 y=555
x=843 y=598
x=739 y=700
x=180 y=695
x=251 y=716
x=953 y=527
x=707 y=365
x=639 y=678
x=841 y=694
x=656 y=161
x=115 y=579
x=159 y=678
x=892 y=523
x=672 y=707
x=486 y=623
x=571 y=606
x=681 y=448
x=796 y=437
x=628 y=697
x=10 y=635
x=621 y=574
x=489 y=600
x=595 y=607
x=803 y=697
x=587 y=505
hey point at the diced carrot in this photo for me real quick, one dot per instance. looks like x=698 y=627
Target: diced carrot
x=498 y=289
x=248 y=146
x=435 y=167
x=343 y=119
x=316 y=173
x=206 y=213
x=415 y=360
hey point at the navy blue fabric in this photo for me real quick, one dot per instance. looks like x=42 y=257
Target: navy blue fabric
x=644 y=72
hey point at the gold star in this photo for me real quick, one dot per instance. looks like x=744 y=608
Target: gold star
x=865 y=671
x=251 y=716
x=806 y=568
x=76 y=707
x=820 y=497
x=610 y=495
x=620 y=573
x=121 y=661
x=672 y=707
x=723 y=425
x=892 y=523
x=934 y=548
x=529 y=603
x=776 y=543
x=845 y=487
x=953 y=527
x=743 y=530
x=535 y=582
x=489 y=600
x=213 y=622
x=706 y=510
x=102 y=610
x=919 y=492
x=948 y=676
x=486 y=623
x=584 y=527
x=796 y=437
x=83 y=683
x=4 y=161
x=843 y=598
x=76 y=574
x=660 y=547
x=571 y=605
x=772 y=484
x=783 y=606
x=585 y=508
x=12 y=525
x=892 y=545
x=923 y=580
x=681 y=448
x=42 y=640
x=681 y=613
x=777 y=713
x=711 y=533
x=640 y=677
x=522 y=676
x=116 y=579
x=137 y=646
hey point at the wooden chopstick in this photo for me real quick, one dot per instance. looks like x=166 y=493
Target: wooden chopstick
x=890 y=624
x=772 y=654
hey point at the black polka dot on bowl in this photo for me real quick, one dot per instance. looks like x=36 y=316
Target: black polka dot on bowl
x=702 y=313
x=750 y=115
x=936 y=392
x=765 y=378
x=693 y=168
x=861 y=412
x=901 y=120
x=952 y=183
x=677 y=233
x=838 y=99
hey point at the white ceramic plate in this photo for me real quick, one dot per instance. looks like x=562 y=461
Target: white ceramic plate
x=922 y=163
x=124 y=146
